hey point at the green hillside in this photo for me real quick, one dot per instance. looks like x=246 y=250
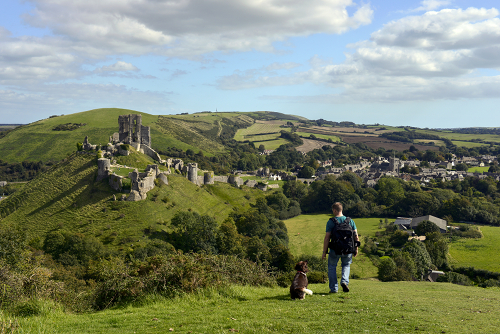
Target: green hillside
x=39 y=141
x=68 y=197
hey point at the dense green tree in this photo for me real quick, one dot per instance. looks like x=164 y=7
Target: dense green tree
x=306 y=172
x=294 y=190
x=257 y=250
x=406 y=269
x=352 y=178
x=229 y=241
x=461 y=167
x=387 y=270
x=425 y=227
x=193 y=232
x=419 y=254
x=278 y=201
x=437 y=247
x=398 y=238
x=390 y=191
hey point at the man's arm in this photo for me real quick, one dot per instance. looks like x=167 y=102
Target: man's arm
x=357 y=239
x=326 y=241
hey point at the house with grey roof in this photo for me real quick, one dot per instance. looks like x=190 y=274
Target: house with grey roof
x=410 y=223
x=441 y=223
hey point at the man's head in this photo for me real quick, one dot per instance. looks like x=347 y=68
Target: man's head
x=337 y=207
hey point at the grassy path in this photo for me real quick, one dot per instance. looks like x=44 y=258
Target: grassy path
x=370 y=307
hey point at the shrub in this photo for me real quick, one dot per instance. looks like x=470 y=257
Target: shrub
x=315 y=277
x=173 y=274
x=455 y=278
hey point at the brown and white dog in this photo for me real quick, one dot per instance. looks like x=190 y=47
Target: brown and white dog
x=298 y=289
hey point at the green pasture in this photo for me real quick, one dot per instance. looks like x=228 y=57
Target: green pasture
x=461 y=136
x=305 y=134
x=370 y=307
x=478 y=169
x=259 y=129
x=306 y=234
x=271 y=145
x=467 y=144
x=478 y=253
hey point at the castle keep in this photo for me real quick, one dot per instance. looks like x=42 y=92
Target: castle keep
x=132 y=131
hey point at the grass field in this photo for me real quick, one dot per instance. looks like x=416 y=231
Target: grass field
x=462 y=136
x=260 y=128
x=306 y=134
x=467 y=144
x=478 y=169
x=306 y=234
x=370 y=307
x=478 y=253
x=272 y=144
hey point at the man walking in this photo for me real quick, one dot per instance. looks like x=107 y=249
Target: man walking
x=333 y=258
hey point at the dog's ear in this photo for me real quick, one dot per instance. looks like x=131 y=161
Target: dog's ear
x=298 y=266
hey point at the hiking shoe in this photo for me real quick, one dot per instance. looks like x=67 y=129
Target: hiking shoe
x=345 y=288
x=332 y=292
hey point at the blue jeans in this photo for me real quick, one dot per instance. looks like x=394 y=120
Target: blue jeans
x=333 y=259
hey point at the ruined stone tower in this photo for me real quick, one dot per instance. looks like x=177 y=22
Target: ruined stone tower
x=131 y=130
x=208 y=178
x=192 y=172
x=103 y=167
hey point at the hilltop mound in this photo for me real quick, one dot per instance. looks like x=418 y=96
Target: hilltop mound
x=68 y=197
x=54 y=138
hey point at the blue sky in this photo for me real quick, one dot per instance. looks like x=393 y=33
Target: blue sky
x=431 y=63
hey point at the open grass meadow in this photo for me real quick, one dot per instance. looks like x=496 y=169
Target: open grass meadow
x=306 y=234
x=455 y=136
x=467 y=144
x=271 y=144
x=370 y=307
x=478 y=169
x=478 y=253
x=260 y=129
x=306 y=134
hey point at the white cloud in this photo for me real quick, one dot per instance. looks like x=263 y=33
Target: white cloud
x=427 y=5
x=430 y=57
x=29 y=59
x=191 y=27
x=119 y=66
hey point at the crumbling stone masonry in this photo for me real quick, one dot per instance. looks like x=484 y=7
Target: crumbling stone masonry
x=103 y=168
x=192 y=172
x=116 y=182
x=132 y=131
x=208 y=178
x=141 y=183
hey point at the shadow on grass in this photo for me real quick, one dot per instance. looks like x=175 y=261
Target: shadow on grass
x=279 y=297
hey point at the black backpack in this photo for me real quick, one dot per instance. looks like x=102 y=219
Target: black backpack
x=342 y=238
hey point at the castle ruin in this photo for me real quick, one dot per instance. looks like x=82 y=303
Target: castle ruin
x=131 y=131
